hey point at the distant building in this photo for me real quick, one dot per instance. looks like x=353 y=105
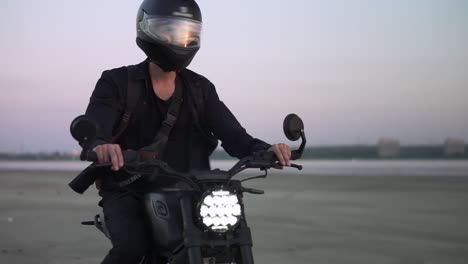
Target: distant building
x=454 y=146
x=388 y=148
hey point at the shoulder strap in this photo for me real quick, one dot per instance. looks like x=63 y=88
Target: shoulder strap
x=132 y=96
x=171 y=115
x=156 y=148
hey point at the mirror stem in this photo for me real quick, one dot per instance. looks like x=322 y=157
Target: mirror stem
x=303 y=143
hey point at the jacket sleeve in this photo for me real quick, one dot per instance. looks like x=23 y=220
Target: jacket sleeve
x=224 y=125
x=104 y=107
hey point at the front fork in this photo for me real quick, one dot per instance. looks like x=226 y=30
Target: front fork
x=245 y=243
x=192 y=235
x=193 y=239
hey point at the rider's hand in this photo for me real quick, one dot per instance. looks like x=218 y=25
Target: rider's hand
x=283 y=153
x=110 y=152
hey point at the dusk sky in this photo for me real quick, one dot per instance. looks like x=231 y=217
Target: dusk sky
x=354 y=71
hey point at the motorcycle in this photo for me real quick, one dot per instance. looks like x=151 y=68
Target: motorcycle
x=200 y=219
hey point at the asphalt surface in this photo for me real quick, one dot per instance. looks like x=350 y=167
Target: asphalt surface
x=300 y=219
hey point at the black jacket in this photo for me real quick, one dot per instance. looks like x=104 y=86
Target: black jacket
x=197 y=129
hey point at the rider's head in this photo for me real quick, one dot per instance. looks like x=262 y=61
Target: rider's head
x=168 y=31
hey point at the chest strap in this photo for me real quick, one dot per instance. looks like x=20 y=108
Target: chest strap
x=156 y=148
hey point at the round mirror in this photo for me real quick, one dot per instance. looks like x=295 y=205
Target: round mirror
x=83 y=129
x=292 y=127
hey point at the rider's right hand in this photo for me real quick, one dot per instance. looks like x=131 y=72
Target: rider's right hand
x=110 y=152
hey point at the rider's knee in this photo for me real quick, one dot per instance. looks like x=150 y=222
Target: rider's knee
x=129 y=253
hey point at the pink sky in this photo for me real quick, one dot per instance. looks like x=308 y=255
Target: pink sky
x=354 y=70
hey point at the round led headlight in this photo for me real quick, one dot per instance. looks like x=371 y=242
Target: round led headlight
x=219 y=210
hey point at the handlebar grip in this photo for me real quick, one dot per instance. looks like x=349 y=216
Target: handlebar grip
x=128 y=156
x=91 y=156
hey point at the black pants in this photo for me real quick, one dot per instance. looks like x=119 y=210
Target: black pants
x=125 y=219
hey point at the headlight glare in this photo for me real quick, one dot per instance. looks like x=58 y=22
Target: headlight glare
x=220 y=210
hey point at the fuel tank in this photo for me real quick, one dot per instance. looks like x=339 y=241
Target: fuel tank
x=165 y=219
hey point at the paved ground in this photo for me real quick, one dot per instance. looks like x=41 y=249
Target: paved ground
x=301 y=219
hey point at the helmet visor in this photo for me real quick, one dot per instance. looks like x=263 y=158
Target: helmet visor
x=180 y=32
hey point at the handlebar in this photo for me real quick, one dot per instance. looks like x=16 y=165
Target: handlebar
x=136 y=160
x=83 y=129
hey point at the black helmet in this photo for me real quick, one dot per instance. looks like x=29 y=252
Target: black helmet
x=168 y=31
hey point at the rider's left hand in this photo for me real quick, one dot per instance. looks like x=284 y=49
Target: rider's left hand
x=283 y=152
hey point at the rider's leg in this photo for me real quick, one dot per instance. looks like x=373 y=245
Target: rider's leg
x=125 y=220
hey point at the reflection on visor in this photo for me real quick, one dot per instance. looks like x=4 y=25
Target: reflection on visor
x=181 y=32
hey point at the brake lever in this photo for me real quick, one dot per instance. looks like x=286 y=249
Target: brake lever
x=279 y=166
x=252 y=191
x=297 y=166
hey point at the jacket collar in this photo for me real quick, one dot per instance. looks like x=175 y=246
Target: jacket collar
x=141 y=72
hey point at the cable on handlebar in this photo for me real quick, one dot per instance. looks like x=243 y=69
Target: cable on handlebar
x=168 y=173
x=256 y=177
